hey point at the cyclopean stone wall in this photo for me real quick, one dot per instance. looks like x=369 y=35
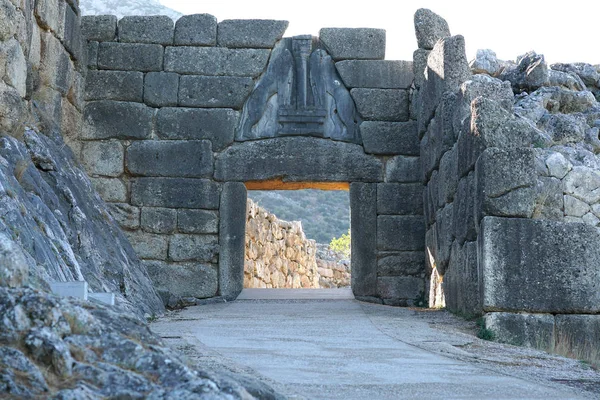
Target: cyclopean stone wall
x=180 y=117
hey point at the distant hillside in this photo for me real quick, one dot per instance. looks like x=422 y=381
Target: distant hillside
x=324 y=214
x=121 y=8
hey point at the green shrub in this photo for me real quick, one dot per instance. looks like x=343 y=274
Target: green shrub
x=341 y=244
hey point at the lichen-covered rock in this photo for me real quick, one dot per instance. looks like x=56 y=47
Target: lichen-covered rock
x=485 y=62
x=429 y=28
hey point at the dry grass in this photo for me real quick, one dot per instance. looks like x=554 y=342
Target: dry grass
x=585 y=351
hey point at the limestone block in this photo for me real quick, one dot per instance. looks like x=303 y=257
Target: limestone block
x=448 y=177
x=539 y=266
x=196 y=30
x=381 y=104
x=114 y=85
x=401 y=263
x=444 y=234
x=345 y=162
x=146 y=29
x=429 y=28
x=398 y=288
x=461 y=280
x=257 y=33
x=48 y=13
x=8 y=19
x=382 y=74
x=100 y=28
x=214 y=91
x=579 y=333
x=197 y=221
x=419 y=66
x=575 y=207
x=127 y=216
x=354 y=43
x=72 y=38
x=148 y=245
x=15 y=270
x=116 y=119
x=196 y=280
x=193 y=247
x=558 y=165
x=464 y=210
x=110 y=189
x=402 y=233
x=583 y=183
x=56 y=66
x=400 y=199
x=13 y=66
x=130 y=56
x=158 y=220
x=76 y=91
x=549 y=202
x=363 y=202
x=92 y=55
x=215 y=61
x=216 y=125
x=189 y=158
x=35 y=47
x=161 y=89
x=403 y=169
x=390 y=137
x=104 y=158
x=523 y=329
x=175 y=193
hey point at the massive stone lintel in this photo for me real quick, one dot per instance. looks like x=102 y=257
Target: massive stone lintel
x=301 y=94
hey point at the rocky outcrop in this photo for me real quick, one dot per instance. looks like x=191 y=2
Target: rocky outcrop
x=333 y=267
x=278 y=255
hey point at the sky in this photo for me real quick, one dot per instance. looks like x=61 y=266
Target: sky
x=562 y=31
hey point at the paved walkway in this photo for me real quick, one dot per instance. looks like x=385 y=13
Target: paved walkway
x=344 y=349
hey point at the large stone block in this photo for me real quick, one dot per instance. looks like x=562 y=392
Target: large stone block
x=197 y=221
x=48 y=13
x=161 y=89
x=216 y=125
x=92 y=55
x=381 y=104
x=297 y=159
x=429 y=28
x=382 y=74
x=402 y=290
x=400 y=199
x=401 y=263
x=195 y=280
x=448 y=178
x=116 y=119
x=146 y=29
x=214 y=91
x=578 y=333
x=103 y=158
x=56 y=67
x=148 y=245
x=216 y=61
x=13 y=66
x=127 y=216
x=232 y=238
x=539 y=266
x=401 y=233
x=100 y=28
x=196 y=30
x=110 y=189
x=72 y=39
x=403 y=169
x=444 y=235
x=193 y=247
x=523 y=329
x=363 y=203
x=419 y=66
x=158 y=220
x=175 y=193
x=259 y=33
x=390 y=138
x=188 y=158
x=354 y=43
x=8 y=20
x=461 y=281
x=130 y=56
x=114 y=85
x=464 y=210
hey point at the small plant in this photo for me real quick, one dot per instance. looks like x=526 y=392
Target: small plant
x=151 y=318
x=484 y=333
x=421 y=300
x=341 y=244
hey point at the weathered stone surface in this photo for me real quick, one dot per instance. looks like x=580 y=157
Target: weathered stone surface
x=403 y=169
x=71 y=34
x=448 y=177
x=587 y=72
x=232 y=228
x=128 y=217
x=114 y=85
x=13 y=111
x=419 y=65
x=464 y=210
x=381 y=104
x=214 y=91
x=401 y=264
x=196 y=30
x=578 y=333
x=13 y=66
x=92 y=55
x=194 y=158
x=193 y=247
x=197 y=221
x=257 y=33
x=530 y=73
x=559 y=274
x=116 y=119
x=184 y=279
x=574 y=207
x=175 y=193
x=158 y=220
x=216 y=61
x=549 y=203
x=14 y=270
x=461 y=280
x=100 y=28
x=429 y=28
x=8 y=20
x=130 y=56
x=382 y=74
x=390 y=137
x=444 y=237
x=530 y=330
x=405 y=290
x=161 y=89
x=148 y=245
x=56 y=67
x=565 y=128
x=103 y=158
x=400 y=199
x=146 y=29
x=354 y=43
x=218 y=126
x=401 y=233
x=48 y=13
x=363 y=203
x=110 y=189
x=322 y=160
x=485 y=62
